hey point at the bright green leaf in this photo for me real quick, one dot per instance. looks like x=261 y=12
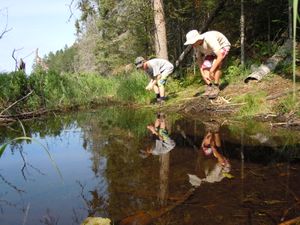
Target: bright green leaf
x=2 y=149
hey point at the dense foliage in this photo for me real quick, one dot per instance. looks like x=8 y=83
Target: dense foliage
x=111 y=33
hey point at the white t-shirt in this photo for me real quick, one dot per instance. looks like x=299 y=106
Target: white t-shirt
x=163 y=147
x=212 y=43
x=159 y=66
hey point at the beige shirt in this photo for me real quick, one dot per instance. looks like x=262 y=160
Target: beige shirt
x=213 y=42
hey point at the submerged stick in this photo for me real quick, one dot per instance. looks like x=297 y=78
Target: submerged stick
x=292 y=221
x=146 y=218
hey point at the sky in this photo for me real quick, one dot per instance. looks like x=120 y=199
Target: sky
x=42 y=24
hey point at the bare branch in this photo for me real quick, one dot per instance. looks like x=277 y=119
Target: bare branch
x=6 y=29
x=13 y=55
x=70 y=9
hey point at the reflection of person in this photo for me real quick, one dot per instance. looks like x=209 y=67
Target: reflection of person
x=212 y=166
x=158 y=71
x=215 y=47
x=163 y=142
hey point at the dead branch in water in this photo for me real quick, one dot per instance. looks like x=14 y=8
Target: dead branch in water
x=145 y=218
x=16 y=102
x=26 y=115
x=294 y=221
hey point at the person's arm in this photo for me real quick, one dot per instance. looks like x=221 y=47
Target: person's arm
x=152 y=129
x=151 y=84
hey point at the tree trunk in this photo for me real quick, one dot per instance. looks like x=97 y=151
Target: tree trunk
x=242 y=34
x=290 y=10
x=160 y=34
x=271 y=63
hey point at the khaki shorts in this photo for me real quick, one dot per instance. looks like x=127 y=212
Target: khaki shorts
x=164 y=75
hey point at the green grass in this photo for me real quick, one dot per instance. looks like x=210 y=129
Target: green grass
x=287 y=105
x=253 y=104
x=59 y=91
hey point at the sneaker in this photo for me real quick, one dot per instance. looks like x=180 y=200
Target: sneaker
x=214 y=93
x=160 y=101
x=208 y=90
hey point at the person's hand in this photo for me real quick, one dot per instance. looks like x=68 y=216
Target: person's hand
x=149 y=87
x=207 y=79
x=211 y=75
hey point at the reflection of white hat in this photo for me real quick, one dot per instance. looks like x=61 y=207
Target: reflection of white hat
x=192 y=37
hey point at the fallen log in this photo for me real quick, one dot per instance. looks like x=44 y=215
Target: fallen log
x=271 y=63
x=26 y=115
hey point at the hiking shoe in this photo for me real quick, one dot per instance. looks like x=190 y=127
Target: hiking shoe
x=160 y=101
x=208 y=90
x=214 y=93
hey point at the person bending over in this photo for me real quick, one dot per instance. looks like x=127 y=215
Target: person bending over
x=158 y=70
x=215 y=47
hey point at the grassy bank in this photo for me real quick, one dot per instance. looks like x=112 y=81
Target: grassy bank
x=50 y=90
x=53 y=91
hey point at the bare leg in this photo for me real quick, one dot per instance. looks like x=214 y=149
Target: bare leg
x=217 y=139
x=217 y=76
x=156 y=89
x=205 y=76
x=162 y=91
x=157 y=123
x=218 y=73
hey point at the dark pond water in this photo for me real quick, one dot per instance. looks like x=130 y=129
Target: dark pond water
x=142 y=167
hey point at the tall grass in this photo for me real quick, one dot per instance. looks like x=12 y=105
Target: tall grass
x=56 y=91
x=287 y=105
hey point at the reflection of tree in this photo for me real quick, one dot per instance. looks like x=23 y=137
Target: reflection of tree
x=4 y=202
x=49 y=219
x=164 y=178
x=11 y=185
x=96 y=205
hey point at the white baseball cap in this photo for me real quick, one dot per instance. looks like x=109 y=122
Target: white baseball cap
x=192 y=37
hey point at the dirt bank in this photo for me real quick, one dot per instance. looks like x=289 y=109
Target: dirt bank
x=268 y=100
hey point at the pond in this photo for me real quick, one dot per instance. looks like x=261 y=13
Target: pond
x=144 y=167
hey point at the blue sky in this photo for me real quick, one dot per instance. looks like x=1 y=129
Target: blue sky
x=35 y=24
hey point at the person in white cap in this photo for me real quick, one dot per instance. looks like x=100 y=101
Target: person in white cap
x=215 y=47
x=158 y=71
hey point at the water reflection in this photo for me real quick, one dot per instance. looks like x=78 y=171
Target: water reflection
x=211 y=165
x=106 y=174
x=162 y=143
